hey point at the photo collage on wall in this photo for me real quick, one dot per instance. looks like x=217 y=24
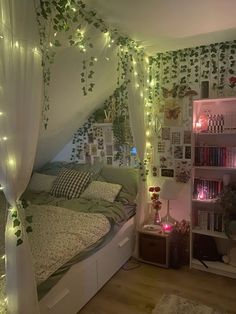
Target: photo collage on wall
x=99 y=145
x=174 y=151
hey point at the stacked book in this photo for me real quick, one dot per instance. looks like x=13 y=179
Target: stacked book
x=209 y=220
x=215 y=156
x=207 y=189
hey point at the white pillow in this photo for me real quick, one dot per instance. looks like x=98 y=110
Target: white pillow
x=101 y=191
x=41 y=182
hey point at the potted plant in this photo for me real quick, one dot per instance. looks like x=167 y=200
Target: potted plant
x=227 y=202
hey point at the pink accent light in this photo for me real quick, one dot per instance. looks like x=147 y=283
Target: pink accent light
x=167 y=227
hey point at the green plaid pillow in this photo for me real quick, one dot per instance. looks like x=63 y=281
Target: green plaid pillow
x=70 y=183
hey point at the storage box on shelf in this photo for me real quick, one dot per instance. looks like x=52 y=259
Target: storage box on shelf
x=214 y=163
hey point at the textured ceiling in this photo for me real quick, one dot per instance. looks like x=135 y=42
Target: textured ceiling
x=162 y=25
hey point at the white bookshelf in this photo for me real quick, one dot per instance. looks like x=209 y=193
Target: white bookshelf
x=209 y=168
x=219 y=268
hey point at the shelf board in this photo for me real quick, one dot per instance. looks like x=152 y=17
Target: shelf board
x=215 y=267
x=215 y=168
x=216 y=234
x=209 y=134
x=210 y=201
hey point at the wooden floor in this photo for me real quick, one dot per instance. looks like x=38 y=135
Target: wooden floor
x=136 y=291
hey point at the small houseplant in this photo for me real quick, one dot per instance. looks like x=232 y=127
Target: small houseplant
x=227 y=202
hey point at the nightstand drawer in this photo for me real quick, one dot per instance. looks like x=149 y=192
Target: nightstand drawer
x=154 y=249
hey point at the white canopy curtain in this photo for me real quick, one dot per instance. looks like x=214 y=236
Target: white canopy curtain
x=20 y=107
x=137 y=120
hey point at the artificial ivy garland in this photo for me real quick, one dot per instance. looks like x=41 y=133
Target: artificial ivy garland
x=62 y=22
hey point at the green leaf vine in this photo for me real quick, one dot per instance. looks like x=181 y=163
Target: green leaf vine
x=61 y=22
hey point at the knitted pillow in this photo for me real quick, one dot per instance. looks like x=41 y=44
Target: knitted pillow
x=70 y=183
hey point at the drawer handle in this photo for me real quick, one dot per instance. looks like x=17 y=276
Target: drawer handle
x=58 y=298
x=123 y=242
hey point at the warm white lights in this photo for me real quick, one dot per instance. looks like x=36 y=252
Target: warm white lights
x=1 y=113
x=135 y=73
x=1 y=37
x=4 y=138
x=147 y=60
x=148 y=133
x=4 y=256
x=11 y=162
x=137 y=85
x=16 y=44
x=73 y=9
x=4 y=275
x=152 y=83
x=95 y=59
x=1 y=188
x=55 y=34
x=107 y=58
x=51 y=44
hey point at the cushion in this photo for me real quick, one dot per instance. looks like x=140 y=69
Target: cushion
x=101 y=191
x=41 y=182
x=70 y=183
x=125 y=176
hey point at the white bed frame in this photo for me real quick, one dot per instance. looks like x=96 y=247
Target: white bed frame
x=87 y=277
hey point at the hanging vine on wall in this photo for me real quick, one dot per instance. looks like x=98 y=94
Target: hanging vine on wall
x=62 y=22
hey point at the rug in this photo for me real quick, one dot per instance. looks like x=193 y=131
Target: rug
x=174 y=304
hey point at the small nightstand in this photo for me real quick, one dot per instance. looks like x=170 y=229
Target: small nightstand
x=154 y=247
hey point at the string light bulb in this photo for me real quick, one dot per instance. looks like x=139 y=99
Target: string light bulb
x=1 y=113
x=4 y=138
x=16 y=44
x=1 y=37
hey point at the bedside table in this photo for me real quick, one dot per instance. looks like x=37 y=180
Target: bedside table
x=154 y=247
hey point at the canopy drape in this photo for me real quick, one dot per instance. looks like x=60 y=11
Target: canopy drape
x=137 y=121
x=20 y=112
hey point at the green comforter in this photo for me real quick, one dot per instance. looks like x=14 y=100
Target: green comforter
x=113 y=211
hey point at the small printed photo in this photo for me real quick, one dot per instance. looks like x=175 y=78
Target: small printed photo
x=108 y=136
x=187 y=152
x=167 y=173
x=109 y=160
x=161 y=147
x=94 y=149
x=100 y=143
x=178 y=152
x=86 y=149
x=109 y=150
x=96 y=159
x=175 y=138
x=165 y=134
x=187 y=137
x=163 y=162
x=90 y=138
x=88 y=159
x=98 y=132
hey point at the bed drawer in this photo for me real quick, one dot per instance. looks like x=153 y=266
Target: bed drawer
x=79 y=286
x=115 y=256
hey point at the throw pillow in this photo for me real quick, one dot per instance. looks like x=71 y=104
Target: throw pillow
x=70 y=183
x=41 y=182
x=102 y=191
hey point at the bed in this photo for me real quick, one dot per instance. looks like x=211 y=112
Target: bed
x=81 y=263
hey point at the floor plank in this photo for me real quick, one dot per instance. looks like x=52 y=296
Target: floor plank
x=136 y=291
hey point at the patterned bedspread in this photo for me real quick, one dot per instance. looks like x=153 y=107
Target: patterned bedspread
x=59 y=234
